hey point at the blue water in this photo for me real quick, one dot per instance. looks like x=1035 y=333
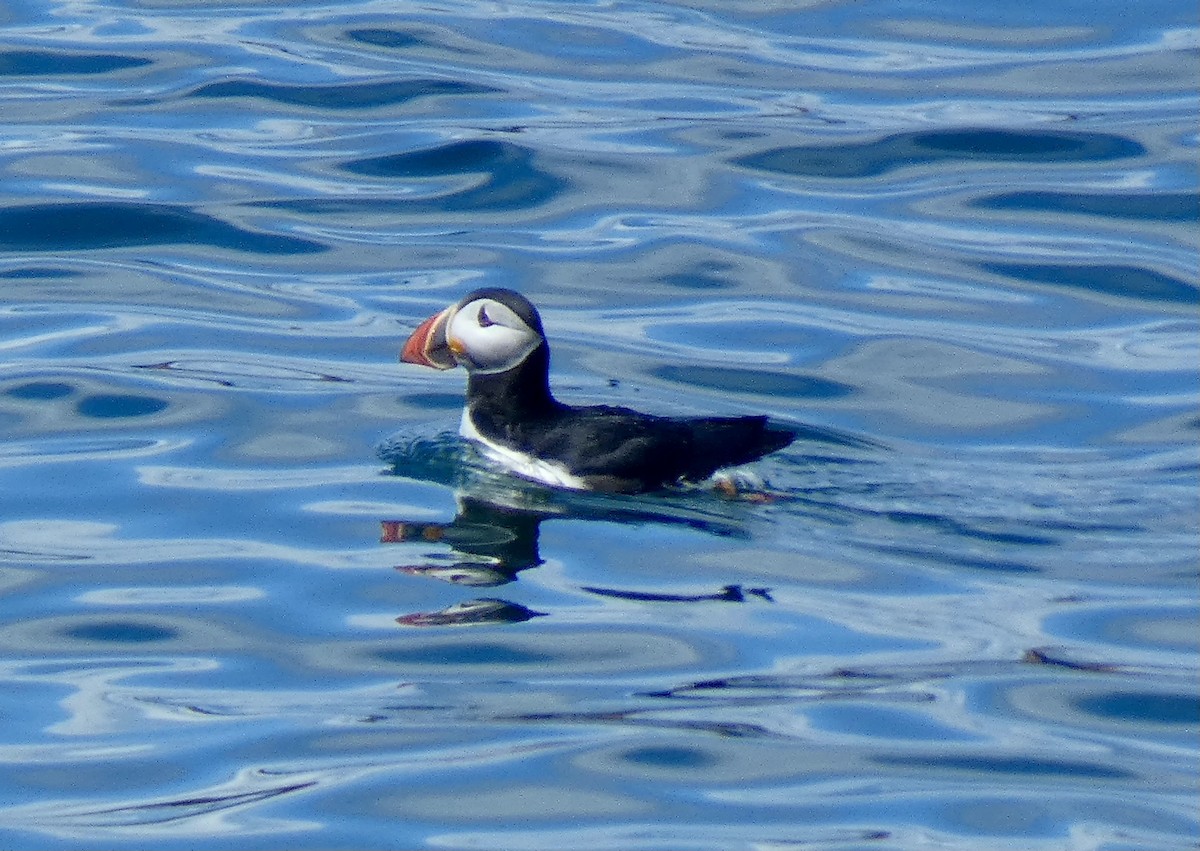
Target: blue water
x=254 y=593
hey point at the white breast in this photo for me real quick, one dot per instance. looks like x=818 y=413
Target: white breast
x=527 y=466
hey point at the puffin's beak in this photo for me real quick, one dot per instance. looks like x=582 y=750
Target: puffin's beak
x=428 y=345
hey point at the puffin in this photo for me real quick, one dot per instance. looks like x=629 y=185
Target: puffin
x=510 y=414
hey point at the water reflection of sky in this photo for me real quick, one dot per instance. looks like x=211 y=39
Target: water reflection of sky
x=254 y=593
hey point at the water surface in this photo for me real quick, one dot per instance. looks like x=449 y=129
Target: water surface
x=255 y=593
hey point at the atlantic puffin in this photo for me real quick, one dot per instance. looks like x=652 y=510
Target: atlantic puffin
x=497 y=335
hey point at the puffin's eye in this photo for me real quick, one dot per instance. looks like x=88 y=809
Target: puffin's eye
x=484 y=320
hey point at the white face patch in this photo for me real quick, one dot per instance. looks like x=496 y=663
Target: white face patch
x=486 y=336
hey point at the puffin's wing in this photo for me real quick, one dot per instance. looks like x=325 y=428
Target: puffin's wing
x=617 y=449
x=636 y=465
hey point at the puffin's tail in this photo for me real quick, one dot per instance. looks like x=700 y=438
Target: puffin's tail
x=729 y=441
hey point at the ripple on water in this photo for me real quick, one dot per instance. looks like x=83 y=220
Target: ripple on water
x=118 y=405
x=512 y=180
x=340 y=96
x=758 y=382
x=108 y=635
x=119 y=632
x=578 y=652
x=1133 y=282
x=1151 y=207
x=389 y=38
x=905 y=150
x=1132 y=628
x=40 y=390
x=94 y=225
x=733 y=761
x=1131 y=707
x=19 y=63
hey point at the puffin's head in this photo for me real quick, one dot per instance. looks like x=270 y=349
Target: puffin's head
x=489 y=330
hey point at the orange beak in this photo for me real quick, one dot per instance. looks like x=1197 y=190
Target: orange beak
x=428 y=345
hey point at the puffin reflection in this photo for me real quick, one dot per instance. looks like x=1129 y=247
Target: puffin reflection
x=490 y=542
x=727 y=594
x=495 y=532
x=483 y=610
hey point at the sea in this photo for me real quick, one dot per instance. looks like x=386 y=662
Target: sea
x=257 y=593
